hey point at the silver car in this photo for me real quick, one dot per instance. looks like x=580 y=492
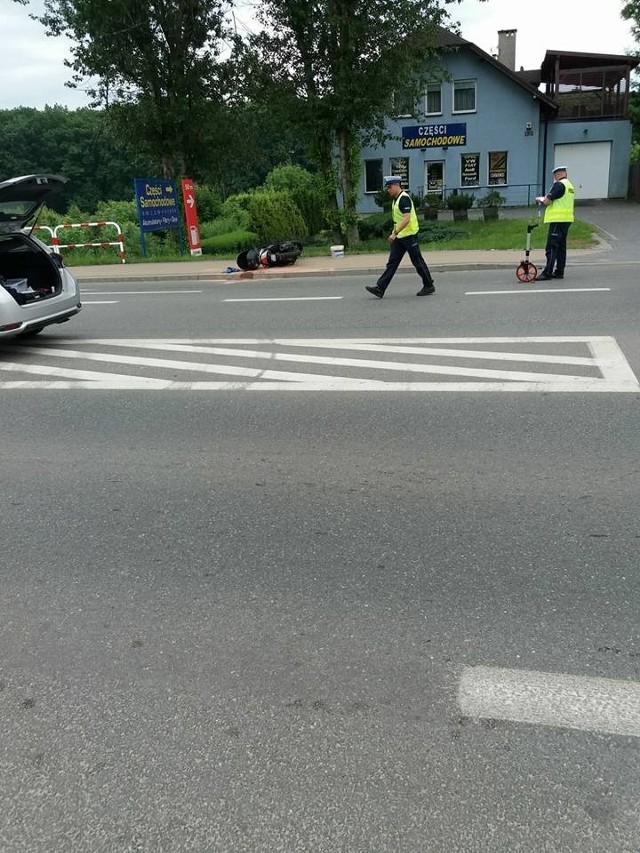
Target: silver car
x=36 y=289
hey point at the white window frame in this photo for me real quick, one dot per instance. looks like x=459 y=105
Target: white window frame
x=440 y=191
x=374 y=160
x=478 y=157
x=466 y=84
x=506 y=181
x=433 y=87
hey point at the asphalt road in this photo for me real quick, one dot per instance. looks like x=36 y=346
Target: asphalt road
x=334 y=617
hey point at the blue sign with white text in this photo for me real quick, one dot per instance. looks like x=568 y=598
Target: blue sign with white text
x=434 y=135
x=157 y=203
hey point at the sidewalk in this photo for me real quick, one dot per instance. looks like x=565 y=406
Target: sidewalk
x=214 y=270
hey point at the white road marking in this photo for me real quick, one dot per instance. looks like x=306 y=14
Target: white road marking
x=537 y=290
x=133 y=292
x=286 y=299
x=111 y=380
x=341 y=343
x=609 y=371
x=375 y=364
x=99 y=302
x=198 y=367
x=549 y=699
x=468 y=353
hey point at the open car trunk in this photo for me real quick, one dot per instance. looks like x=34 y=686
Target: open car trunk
x=27 y=272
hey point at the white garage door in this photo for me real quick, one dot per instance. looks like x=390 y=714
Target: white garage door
x=588 y=167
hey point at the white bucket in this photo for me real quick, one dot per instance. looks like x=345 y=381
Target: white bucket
x=337 y=251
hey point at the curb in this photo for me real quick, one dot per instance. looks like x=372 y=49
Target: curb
x=264 y=276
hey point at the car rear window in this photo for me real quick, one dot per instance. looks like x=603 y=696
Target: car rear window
x=15 y=209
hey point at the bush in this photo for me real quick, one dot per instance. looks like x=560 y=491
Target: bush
x=230 y=243
x=51 y=218
x=208 y=201
x=221 y=225
x=460 y=201
x=435 y=232
x=383 y=199
x=117 y=211
x=236 y=210
x=492 y=199
x=290 y=178
x=432 y=201
x=311 y=204
x=275 y=216
x=375 y=226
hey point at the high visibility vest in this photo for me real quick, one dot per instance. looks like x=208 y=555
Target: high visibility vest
x=561 y=210
x=413 y=227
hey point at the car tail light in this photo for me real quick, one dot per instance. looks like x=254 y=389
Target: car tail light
x=9 y=327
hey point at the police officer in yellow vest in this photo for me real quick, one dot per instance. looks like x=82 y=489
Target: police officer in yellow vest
x=558 y=213
x=403 y=238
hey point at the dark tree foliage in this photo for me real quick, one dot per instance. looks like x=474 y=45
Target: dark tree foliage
x=163 y=56
x=77 y=144
x=631 y=12
x=245 y=145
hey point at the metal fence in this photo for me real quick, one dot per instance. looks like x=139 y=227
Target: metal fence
x=516 y=195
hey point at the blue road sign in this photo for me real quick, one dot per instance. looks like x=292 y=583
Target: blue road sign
x=157 y=203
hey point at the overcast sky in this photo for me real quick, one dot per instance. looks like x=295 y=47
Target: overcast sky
x=32 y=72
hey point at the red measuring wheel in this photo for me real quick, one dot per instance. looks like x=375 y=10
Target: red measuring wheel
x=526 y=271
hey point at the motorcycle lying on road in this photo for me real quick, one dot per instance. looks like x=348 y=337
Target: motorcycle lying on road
x=281 y=254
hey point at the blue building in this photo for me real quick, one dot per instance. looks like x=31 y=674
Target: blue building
x=490 y=127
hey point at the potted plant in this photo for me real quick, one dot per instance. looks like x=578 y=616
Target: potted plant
x=490 y=204
x=460 y=203
x=431 y=204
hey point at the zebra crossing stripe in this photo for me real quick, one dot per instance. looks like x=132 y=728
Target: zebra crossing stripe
x=437 y=364
x=549 y=699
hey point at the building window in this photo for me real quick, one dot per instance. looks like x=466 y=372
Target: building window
x=497 y=167
x=433 y=99
x=469 y=170
x=464 y=96
x=400 y=166
x=372 y=176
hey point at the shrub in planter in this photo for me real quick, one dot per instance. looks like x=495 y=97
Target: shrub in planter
x=490 y=203
x=431 y=204
x=460 y=203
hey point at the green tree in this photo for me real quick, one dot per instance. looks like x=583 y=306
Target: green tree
x=161 y=56
x=631 y=12
x=77 y=144
x=332 y=66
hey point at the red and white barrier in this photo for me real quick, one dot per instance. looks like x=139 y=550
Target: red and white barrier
x=44 y=228
x=56 y=245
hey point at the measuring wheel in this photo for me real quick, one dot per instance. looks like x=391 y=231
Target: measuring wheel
x=526 y=271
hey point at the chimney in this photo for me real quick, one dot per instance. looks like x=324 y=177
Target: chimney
x=507 y=48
